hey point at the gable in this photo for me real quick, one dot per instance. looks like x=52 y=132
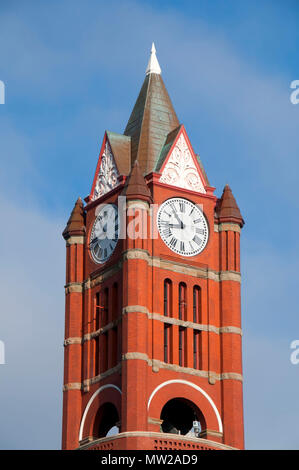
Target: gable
x=181 y=168
x=106 y=177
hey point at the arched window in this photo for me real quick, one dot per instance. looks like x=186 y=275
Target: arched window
x=167 y=298
x=182 y=301
x=181 y=416
x=106 y=421
x=197 y=317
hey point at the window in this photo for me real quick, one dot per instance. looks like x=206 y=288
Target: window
x=197 y=304
x=179 y=415
x=97 y=322
x=182 y=301
x=167 y=297
x=106 y=306
x=114 y=301
x=114 y=346
x=182 y=344
x=167 y=343
x=106 y=421
x=104 y=355
x=197 y=349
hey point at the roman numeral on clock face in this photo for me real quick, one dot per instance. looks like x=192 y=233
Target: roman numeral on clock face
x=98 y=251
x=167 y=232
x=173 y=242
x=197 y=240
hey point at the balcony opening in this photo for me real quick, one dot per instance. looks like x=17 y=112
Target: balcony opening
x=106 y=422
x=181 y=416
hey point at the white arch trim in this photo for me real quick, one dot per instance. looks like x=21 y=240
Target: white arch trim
x=190 y=384
x=89 y=405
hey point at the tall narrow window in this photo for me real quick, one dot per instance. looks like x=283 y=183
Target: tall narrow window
x=167 y=297
x=182 y=301
x=97 y=311
x=114 y=301
x=197 y=304
x=114 y=346
x=106 y=306
x=104 y=352
x=119 y=341
x=97 y=338
x=182 y=343
x=167 y=343
x=197 y=349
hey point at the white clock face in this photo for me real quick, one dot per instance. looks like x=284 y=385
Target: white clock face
x=104 y=233
x=182 y=226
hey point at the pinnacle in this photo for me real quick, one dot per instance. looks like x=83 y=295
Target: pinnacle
x=153 y=64
x=135 y=185
x=76 y=222
x=228 y=209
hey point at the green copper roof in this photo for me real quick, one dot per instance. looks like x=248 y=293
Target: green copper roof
x=152 y=119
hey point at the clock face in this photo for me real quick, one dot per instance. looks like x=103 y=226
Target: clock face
x=104 y=233
x=182 y=226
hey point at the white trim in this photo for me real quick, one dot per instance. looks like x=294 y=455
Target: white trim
x=89 y=405
x=153 y=64
x=185 y=382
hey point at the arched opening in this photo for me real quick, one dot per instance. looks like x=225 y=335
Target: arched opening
x=106 y=421
x=181 y=416
x=167 y=298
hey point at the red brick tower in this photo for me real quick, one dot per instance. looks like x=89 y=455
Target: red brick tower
x=153 y=354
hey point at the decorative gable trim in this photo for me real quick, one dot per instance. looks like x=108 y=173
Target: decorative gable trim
x=107 y=174
x=181 y=167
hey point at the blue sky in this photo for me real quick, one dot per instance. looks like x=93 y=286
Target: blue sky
x=73 y=69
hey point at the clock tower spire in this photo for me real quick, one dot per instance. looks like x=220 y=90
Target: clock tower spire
x=153 y=339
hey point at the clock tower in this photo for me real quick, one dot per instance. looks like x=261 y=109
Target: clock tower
x=153 y=339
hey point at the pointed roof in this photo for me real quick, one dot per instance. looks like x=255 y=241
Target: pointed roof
x=136 y=186
x=170 y=138
x=121 y=148
x=152 y=118
x=227 y=208
x=76 y=222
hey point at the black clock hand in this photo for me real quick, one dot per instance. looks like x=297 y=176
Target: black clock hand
x=178 y=219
